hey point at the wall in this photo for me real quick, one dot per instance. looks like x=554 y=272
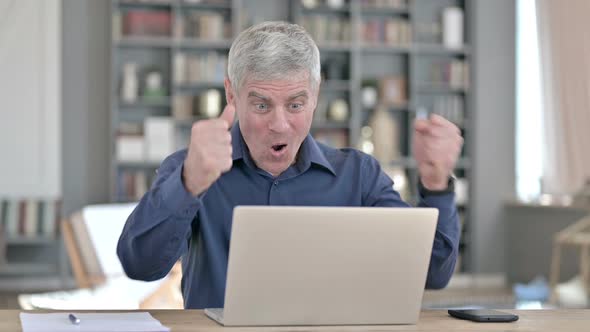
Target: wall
x=86 y=56
x=30 y=93
x=493 y=160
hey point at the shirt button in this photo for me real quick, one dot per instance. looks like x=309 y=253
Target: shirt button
x=276 y=183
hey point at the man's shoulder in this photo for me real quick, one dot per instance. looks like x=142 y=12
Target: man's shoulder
x=176 y=158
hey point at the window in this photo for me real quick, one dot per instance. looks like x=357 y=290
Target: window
x=529 y=105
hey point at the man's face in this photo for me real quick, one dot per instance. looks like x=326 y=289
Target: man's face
x=274 y=118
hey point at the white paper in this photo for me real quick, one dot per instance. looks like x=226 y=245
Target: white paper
x=92 y=322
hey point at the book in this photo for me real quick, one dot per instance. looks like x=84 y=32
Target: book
x=35 y=217
x=386 y=31
x=159 y=138
x=50 y=218
x=12 y=217
x=393 y=91
x=147 y=23
x=451 y=108
x=130 y=148
x=132 y=185
x=31 y=222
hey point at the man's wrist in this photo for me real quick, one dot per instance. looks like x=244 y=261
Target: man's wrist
x=450 y=188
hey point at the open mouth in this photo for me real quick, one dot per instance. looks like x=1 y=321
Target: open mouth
x=279 y=147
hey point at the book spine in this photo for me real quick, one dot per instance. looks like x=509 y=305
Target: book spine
x=22 y=216
x=31 y=218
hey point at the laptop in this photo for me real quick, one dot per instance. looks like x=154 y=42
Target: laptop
x=326 y=266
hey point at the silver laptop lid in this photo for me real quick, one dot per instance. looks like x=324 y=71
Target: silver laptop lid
x=327 y=265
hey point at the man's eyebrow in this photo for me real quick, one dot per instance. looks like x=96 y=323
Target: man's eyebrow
x=254 y=94
x=299 y=94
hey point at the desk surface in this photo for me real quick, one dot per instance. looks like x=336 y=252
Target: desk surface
x=430 y=320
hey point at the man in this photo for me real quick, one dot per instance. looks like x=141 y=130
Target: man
x=269 y=158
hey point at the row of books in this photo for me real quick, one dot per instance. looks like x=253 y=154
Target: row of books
x=391 y=4
x=453 y=73
x=327 y=29
x=451 y=108
x=205 y=25
x=199 y=67
x=386 y=31
x=132 y=185
x=30 y=218
x=154 y=23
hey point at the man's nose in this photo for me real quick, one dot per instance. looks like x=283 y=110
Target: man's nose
x=279 y=122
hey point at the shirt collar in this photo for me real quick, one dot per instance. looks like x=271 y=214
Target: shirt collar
x=309 y=152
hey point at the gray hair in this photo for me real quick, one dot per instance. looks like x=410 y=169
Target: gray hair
x=272 y=51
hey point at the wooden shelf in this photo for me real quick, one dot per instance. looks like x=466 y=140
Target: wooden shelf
x=382 y=48
x=436 y=88
x=169 y=42
x=394 y=108
x=153 y=4
x=145 y=42
x=138 y=164
x=195 y=43
x=23 y=240
x=139 y=114
x=142 y=103
x=439 y=49
x=334 y=47
x=22 y=269
x=324 y=9
x=409 y=162
x=199 y=85
x=385 y=11
x=188 y=122
x=205 y=6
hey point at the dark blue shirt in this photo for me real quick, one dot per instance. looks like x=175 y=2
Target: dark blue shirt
x=169 y=223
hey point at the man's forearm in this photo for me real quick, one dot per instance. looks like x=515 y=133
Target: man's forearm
x=445 y=248
x=156 y=233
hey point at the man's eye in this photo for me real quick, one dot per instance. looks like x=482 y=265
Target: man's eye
x=261 y=107
x=296 y=107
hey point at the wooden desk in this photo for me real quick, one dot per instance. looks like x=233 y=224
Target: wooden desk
x=430 y=320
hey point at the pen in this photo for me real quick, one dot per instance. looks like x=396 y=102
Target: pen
x=73 y=319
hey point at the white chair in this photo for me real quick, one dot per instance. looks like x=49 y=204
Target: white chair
x=91 y=237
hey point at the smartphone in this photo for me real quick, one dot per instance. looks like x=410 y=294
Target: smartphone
x=483 y=315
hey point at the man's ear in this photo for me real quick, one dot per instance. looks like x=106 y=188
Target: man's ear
x=229 y=92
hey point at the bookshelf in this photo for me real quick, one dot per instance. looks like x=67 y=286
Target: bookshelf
x=383 y=62
x=183 y=46
x=29 y=240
